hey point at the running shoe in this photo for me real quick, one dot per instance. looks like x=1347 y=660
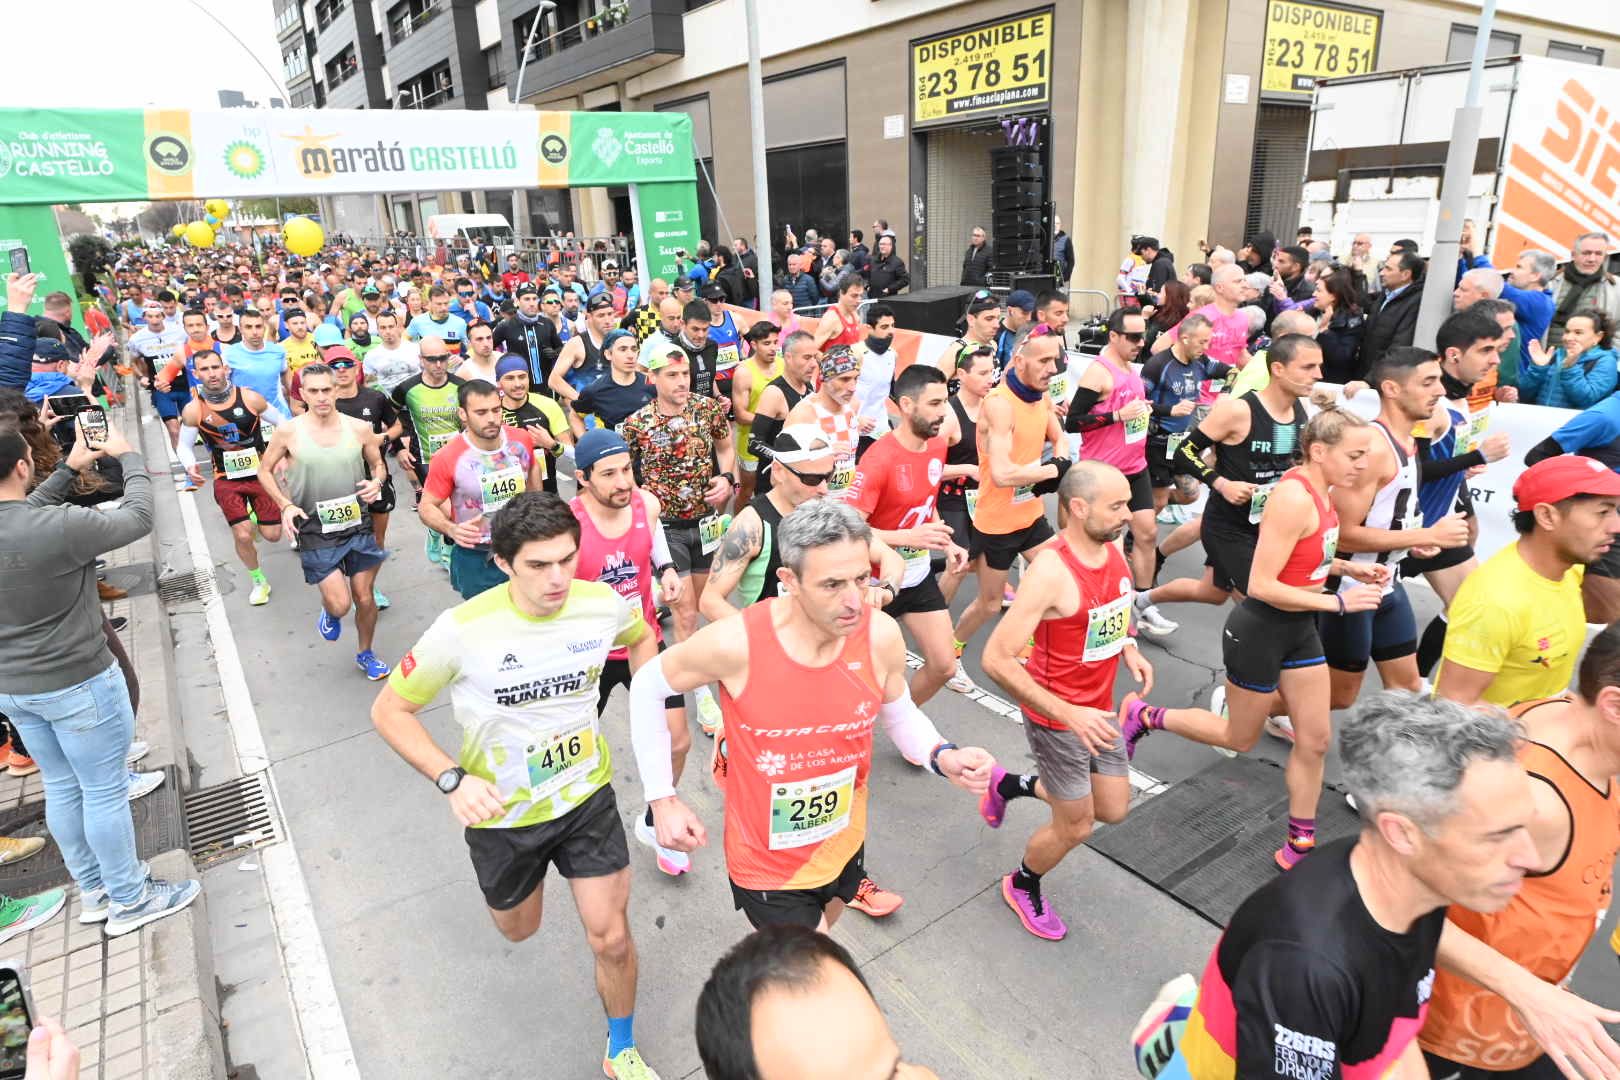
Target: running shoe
x=17 y=848
x=118 y=622
x=627 y=1065
x=93 y=903
x=1158 y=1033
x=381 y=599
x=1288 y=856
x=1153 y=622
x=672 y=862
x=1033 y=911
x=1008 y=595
x=416 y=504
x=992 y=807
x=260 y=594
x=1217 y=705
x=1133 y=722
x=1280 y=727
x=708 y=709
x=20 y=765
x=374 y=668
x=1167 y=516
x=142 y=784
x=874 y=900
x=138 y=749
x=20 y=914
x=159 y=900
x=330 y=629
x=961 y=682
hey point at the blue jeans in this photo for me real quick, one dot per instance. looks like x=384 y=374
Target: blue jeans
x=79 y=736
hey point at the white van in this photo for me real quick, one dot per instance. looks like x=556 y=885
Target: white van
x=471 y=230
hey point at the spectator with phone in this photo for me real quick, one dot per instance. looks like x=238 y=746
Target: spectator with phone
x=62 y=685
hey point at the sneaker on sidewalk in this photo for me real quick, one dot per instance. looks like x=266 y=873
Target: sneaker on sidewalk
x=142 y=784
x=708 y=710
x=381 y=599
x=1033 y=911
x=109 y=593
x=992 y=807
x=368 y=662
x=874 y=900
x=20 y=914
x=260 y=594
x=160 y=899
x=137 y=750
x=1158 y=1033
x=672 y=862
x=961 y=682
x=20 y=765
x=1217 y=705
x=17 y=848
x=93 y=902
x=1280 y=727
x=1153 y=622
x=627 y=1065
x=329 y=628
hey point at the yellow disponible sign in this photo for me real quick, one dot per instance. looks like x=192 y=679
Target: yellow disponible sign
x=1308 y=41
x=986 y=70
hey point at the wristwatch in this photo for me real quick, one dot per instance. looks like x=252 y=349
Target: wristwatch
x=732 y=480
x=450 y=779
x=883 y=583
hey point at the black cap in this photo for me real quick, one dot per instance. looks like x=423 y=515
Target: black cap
x=712 y=291
x=598 y=302
x=528 y=288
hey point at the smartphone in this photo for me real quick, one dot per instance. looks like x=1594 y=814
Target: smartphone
x=68 y=404
x=16 y=1020
x=19 y=260
x=93 y=422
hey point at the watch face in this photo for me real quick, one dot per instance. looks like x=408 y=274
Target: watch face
x=449 y=780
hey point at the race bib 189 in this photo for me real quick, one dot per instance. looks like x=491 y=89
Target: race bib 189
x=240 y=464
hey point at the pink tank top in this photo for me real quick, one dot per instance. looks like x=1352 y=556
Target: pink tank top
x=624 y=562
x=1122 y=445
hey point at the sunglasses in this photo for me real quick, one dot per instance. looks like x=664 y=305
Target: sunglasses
x=466 y=295
x=435 y=358
x=812 y=479
x=340 y=365
x=982 y=294
x=1133 y=337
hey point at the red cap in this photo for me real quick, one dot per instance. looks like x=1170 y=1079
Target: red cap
x=338 y=352
x=1555 y=479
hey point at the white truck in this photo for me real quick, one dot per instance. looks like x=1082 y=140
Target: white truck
x=1547 y=170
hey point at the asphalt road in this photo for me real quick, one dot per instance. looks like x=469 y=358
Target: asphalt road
x=428 y=987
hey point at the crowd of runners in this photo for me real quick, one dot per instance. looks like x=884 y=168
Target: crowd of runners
x=792 y=506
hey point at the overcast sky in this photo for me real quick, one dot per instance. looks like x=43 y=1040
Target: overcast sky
x=106 y=53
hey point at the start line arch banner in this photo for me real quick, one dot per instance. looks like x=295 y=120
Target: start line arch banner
x=52 y=156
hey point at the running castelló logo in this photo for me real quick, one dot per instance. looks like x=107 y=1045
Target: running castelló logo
x=607 y=146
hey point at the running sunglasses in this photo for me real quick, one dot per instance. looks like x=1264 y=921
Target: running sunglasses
x=552 y=300
x=436 y=358
x=1138 y=336
x=338 y=365
x=466 y=295
x=813 y=479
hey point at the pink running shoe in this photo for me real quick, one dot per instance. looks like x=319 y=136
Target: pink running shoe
x=1033 y=911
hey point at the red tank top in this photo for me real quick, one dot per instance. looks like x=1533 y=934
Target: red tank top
x=1075 y=657
x=849 y=335
x=1312 y=558
x=798 y=749
x=1544 y=929
x=896 y=488
x=624 y=561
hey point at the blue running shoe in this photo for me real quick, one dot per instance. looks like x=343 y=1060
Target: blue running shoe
x=374 y=668
x=383 y=603
x=329 y=627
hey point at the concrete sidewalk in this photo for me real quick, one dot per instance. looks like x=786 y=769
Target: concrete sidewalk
x=143 y=1005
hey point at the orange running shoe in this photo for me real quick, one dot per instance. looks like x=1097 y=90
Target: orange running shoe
x=874 y=900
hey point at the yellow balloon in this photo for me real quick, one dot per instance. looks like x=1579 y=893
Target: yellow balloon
x=218 y=207
x=303 y=236
x=200 y=234
x=178 y=231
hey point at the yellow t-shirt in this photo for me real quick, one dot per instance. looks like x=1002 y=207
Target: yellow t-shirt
x=552 y=411
x=1255 y=375
x=300 y=353
x=1509 y=619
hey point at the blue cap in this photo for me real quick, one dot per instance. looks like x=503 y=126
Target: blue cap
x=327 y=335
x=509 y=363
x=614 y=335
x=597 y=444
x=1022 y=299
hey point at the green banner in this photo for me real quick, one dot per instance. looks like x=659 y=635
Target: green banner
x=629 y=148
x=666 y=219
x=72 y=155
x=34 y=228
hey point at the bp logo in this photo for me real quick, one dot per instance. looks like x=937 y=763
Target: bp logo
x=5 y=160
x=554 y=149
x=244 y=160
x=169 y=153
x=607 y=146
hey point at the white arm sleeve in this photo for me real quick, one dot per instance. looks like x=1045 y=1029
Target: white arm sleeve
x=912 y=732
x=660 y=545
x=649 y=732
x=273 y=414
x=188 y=439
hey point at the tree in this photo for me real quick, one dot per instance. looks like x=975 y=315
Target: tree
x=91 y=255
x=159 y=218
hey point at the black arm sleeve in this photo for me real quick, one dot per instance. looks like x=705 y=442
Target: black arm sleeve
x=1435 y=468
x=1189 y=459
x=1544 y=449
x=762 y=436
x=1081 y=418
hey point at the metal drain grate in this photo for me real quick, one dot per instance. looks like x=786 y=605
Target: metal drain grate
x=230 y=819
x=192 y=585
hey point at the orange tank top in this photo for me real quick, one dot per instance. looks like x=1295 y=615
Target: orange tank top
x=1544 y=929
x=797 y=761
x=1003 y=510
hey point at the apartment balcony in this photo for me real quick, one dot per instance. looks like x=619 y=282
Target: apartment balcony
x=582 y=46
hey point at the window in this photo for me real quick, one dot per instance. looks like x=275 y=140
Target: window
x=492 y=64
x=327 y=10
x=287 y=17
x=432 y=87
x=303 y=99
x=1460 y=49
x=1579 y=54
x=807 y=187
x=693 y=5
x=342 y=67
x=499 y=202
x=407 y=17
x=293 y=63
